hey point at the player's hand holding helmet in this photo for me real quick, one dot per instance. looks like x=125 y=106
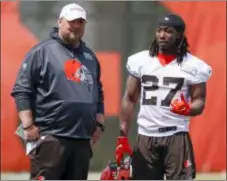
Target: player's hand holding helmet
x=113 y=171
x=180 y=106
x=122 y=148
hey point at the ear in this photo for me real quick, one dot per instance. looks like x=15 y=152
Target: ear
x=179 y=35
x=59 y=22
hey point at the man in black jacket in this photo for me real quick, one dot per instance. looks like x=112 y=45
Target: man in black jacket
x=59 y=97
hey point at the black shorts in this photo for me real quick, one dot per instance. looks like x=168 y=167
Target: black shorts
x=172 y=156
x=61 y=159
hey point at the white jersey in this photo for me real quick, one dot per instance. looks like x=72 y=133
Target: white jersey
x=159 y=85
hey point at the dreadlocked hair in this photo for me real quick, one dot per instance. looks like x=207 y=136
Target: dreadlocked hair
x=182 y=49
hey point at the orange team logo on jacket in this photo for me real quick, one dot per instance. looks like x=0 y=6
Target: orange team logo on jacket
x=73 y=70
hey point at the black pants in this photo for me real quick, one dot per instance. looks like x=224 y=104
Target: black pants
x=61 y=159
x=171 y=156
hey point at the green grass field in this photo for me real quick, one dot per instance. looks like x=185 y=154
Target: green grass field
x=95 y=176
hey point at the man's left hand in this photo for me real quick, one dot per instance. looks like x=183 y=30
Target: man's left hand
x=181 y=106
x=96 y=135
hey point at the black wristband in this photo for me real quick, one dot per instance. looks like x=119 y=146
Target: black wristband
x=101 y=126
x=28 y=127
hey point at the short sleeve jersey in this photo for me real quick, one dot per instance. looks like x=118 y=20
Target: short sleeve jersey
x=160 y=85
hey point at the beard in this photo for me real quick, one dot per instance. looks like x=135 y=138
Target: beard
x=72 y=37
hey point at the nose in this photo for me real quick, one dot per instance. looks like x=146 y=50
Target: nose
x=162 y=35
x=76 y=24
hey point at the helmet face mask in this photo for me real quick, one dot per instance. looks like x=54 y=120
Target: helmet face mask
x=114 y=168
x=126 y=162
x=113 y=171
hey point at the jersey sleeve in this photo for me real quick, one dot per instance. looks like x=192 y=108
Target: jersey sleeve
x=203 y=74
x=133 y=66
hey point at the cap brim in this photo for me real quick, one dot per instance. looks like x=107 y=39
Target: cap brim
x=74 y=17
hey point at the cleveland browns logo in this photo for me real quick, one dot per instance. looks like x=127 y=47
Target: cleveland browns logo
x=73 y=70
x=77 y=72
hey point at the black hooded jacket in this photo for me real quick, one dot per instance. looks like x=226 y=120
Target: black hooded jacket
x=62 y=87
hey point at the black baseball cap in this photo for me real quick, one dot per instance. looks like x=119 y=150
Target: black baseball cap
x=173 y=20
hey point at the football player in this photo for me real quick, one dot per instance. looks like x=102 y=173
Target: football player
x=171 y=83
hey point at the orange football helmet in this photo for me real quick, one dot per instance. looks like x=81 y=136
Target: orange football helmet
x=113 y=171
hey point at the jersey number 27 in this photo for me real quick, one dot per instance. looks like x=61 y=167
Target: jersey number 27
x=155 y=81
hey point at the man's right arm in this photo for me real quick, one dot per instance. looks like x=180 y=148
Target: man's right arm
x=24 y=87
x=128 y=104
x=26 y=118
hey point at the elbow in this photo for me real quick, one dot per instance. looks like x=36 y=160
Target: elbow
x=100 y=103
x=20 y=95
x=200 y=112
x=128 y=102
x=100 y=108
x=132 y=99
x=197 y=111
x=22 y=99
x=20 y=92
x=100 y=94
x=197 y=107
x=202 y=107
